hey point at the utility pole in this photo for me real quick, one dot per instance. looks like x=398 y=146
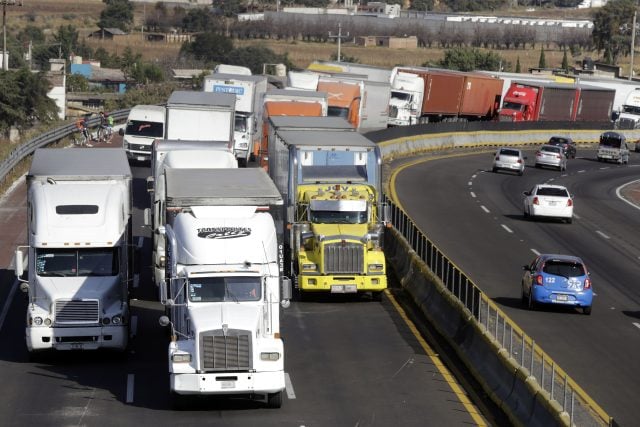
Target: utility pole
x=339 y=37
x=633 y=43
x=5 y=55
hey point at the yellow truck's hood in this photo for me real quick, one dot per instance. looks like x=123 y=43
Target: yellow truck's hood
x=340 y=231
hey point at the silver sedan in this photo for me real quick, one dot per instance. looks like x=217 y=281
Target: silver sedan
x=551 y=156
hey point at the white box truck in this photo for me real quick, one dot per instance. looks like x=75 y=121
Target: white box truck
x=224 y=283
x=200 y=116
x=78 y=255
x=248 y=91
x=168 y=154
x=145 y=124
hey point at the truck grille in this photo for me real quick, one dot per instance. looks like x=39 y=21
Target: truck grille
x=225 y=353
x=77 y=312
x=505 y=118
x=393 y=111
x=626 y=124
x=344 y=258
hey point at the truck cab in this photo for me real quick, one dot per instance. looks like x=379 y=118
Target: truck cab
x=629 y=117
x=519 y=104
x=405 y=104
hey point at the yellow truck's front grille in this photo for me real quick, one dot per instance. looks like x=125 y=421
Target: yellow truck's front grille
x=344 y=258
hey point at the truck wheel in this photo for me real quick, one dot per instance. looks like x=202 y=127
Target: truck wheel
x=178 y=401
x=242 y=163
x=376 y=296
x=274 y=400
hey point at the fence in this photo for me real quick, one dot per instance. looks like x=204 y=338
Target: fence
x=519 y=347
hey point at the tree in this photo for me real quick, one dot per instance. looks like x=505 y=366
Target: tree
x=612 y=28
x=208 y=46
x=197 y=20
x=24 y=100
x=468 y=59
x=255 y=57
x=542 y=62
x=77 y=83
x=117 y=14
x=565 y=61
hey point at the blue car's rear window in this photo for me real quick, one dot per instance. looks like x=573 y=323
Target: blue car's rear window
x=563 y=268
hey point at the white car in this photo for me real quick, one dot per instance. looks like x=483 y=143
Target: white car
x=548 y=201
x=508 y=159
x=552 y=156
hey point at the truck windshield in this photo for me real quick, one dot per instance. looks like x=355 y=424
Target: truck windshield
x=512 y=106
x=320 y=166
x=338 y=112
x=402 y=96
x=218 y=289
x=77 y=262
x=145 y=128
x=241 y=124
x=631 y=109
x=339 y=217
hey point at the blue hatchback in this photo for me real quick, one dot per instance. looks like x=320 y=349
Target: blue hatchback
x=557 y=279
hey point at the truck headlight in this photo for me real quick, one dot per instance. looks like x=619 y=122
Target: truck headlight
x=47 y=322
x=37 y=321
x=309 y=267
x=181 y=357
x=273 y=356
x=375 y=267
x=116 y=320
x=242 y=145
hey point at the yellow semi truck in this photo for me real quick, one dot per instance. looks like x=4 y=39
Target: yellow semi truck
x=330 y=180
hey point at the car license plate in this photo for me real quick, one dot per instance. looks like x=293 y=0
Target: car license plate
x=76 y=346
x=343 y=289
x=562 y=297
x=552 y=203
x=141 y=158
x=228 y=384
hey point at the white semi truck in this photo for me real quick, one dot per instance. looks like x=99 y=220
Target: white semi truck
x=168 y=154
x=407 y=90
x=200 y=116
x=224 y=283
x=79 y=250
x=248 y=91
x=629 y=117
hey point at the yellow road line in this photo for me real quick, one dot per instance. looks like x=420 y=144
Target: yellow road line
x=449 y=378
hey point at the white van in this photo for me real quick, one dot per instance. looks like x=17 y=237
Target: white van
x=613 y=147
x=145 y=124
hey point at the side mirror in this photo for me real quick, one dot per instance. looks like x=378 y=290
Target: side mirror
x=18 y=261
x=526 y=193
x=147 y=217
x=164 y=321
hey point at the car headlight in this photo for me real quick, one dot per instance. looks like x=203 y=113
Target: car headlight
x=376 y=267
x=272 y=356
x=181 y=357
x=309 y=267
x=37 y=321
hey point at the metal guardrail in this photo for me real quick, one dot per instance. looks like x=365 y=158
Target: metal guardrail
x=582 y=409
x=47 y=138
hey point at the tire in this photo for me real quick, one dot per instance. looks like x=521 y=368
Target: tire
x=586 y=310
x=520 y=173
x=531 y=304
x=537 y=166
x=494 y=170
x=569 y=220
x=274 y=400
x=525 y=214
x=178 y=401
x=524 y=299
x=242 y=163
x=376 y=296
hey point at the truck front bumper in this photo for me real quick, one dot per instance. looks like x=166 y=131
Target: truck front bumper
x=228 y=383
x=43 y=338
x=343 y=283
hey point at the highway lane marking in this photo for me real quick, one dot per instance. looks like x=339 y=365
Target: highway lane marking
x=134 y=326
x=506 y=228
x=470 y=183
x=473 y=194
x=447 y=376
x=484 y=209
x=602 y=234
x=130 y=384
x=7 y=303
x=535 y=252
x=581 y=171
x=289 y=386
x=619 y=194
x=637 y=325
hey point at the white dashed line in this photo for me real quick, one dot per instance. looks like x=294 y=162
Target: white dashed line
x=485 y=209
x=637 y=325
x=473 y=176
x=288 y=386
x=469 y=183
x=506 y=228
x=602 y=234
x=535 y=252
x=473 y=194
x=130 y=380
x=582 y=171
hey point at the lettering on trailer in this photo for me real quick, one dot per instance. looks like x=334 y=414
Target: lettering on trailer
x=223 y=232
x=235 y=90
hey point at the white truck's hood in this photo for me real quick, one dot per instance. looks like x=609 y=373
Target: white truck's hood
x=75 y=288
x=209 y=316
